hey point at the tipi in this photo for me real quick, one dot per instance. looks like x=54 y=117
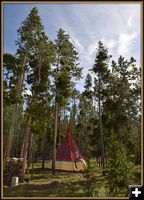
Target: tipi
x=68 y=156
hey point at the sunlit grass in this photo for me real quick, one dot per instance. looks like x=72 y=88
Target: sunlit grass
x=63 y=184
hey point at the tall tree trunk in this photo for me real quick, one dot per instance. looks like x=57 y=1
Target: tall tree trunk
x=18 y=133
x=56 y=124
x=15 y=108
x=86 y=137
x=101 y=130
x=33 y=161
x=14 y=126
x=29 y=152
x=44 y=146
x=65 y=123
x=59 y=128
x=27 y=133
x=11 y=133
x=23 y=143
x=33 y=154
x=55 y=139
x=46 y=128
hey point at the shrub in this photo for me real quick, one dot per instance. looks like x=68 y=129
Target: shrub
x=120 y=169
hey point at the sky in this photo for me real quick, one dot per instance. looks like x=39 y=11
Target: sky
x=116 y=25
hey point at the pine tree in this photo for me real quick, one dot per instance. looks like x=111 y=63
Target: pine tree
x=90 y=180
x=40 y=55
x=119 y=170
x=101 y=72
x=13 y=76
x=88 y=87
x=27 y=39
x=122 y=103
x=66 y=70
x=9 y=84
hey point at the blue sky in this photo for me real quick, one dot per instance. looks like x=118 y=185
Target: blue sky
x=117 y=25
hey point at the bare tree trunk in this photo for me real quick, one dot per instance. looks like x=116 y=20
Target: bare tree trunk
x=46 y=129
x=18 y=133
x=65 y=123
x=33 y=161
x=23 y=144
x=55 y=139
x=86 y=137
x=14 y=118
x=44 y=146
x=33 y=155
x=59 y=128
x=15 y=108
x=11 y=133
x=56 y=125
x=101 y=130
x=29 y=153
x=27 y=133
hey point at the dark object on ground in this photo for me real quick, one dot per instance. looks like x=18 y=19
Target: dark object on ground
x=55 y=184
x=26 y=180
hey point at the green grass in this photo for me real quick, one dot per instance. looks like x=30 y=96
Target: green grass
x=63 y=184
x=45 y=184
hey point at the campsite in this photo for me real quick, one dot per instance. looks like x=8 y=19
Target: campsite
x=71 y=105
x=64 y=184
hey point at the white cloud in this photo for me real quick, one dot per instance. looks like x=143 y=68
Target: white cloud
x=68 y=30
x=130 y=21
x=86 y=28
x=111 y=44
x=92 y=48
x=125 y=42
x=85 y=57
x=76 y=42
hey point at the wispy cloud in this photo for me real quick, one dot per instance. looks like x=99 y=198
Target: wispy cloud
x=76 y=43
x=92 y=48
x=117 y=25
x=125 y=42
x=130 y=21
x=111 y=44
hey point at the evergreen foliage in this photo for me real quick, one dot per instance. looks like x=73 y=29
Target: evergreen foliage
x=120 y=169
x=41 y=99
x=90 y=180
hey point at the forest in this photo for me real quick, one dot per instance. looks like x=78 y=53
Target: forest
x=41 y=103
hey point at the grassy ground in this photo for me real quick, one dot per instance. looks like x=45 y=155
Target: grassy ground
x=63 y=184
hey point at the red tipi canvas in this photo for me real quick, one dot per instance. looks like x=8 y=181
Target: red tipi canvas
x=68 y=156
